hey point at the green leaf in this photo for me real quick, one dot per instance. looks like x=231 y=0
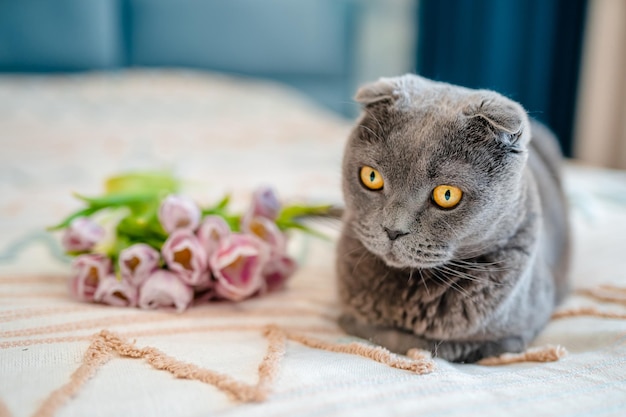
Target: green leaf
x=80 y=213
x=290 y=213
x=118 y=199
x=140 y=228
x=142 y=183
x=286 y=225
x=223 y=202
x=233 y=221
x=219 y=209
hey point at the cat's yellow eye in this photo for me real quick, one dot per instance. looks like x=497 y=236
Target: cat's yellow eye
x=447 y=196
x=371 y=178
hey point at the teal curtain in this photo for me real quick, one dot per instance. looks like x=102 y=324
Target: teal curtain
x=528 y=50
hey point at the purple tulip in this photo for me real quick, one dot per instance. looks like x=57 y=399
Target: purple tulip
x=88 y=270
x=238 y=265
x=81 y=235
x=164 y=289
x=277 y=271
x=264 y=204
x=185 y=256
x=119 y=293
x=178 y=212
x=137 y=262
x=212 y=231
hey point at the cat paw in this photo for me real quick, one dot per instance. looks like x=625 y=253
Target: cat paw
x=470 y=352
x=401 y=342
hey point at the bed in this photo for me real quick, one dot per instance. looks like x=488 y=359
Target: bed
x=64 y=134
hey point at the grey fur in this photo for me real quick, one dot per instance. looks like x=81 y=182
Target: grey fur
x=477 y=280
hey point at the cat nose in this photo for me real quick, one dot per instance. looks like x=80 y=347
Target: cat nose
x=394 y=234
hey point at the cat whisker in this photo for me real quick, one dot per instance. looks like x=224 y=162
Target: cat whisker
x=479 y=266
x=464 y=275
x=349 y=232
x=408 y=281
x=423 y=281
x=386 y=275
x=365 y=252
x=483 y=250
x=450 y=283
x=355 y=250
x=332 y=223
x=469 y=262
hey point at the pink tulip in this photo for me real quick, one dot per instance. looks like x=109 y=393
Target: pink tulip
x=277 y=271
x=185 y=256
x=81 y=235
x=137 y=262
x=119 y=293
x=212 y=231
x=88 y=270
x=164 y=289
x=237 y=266
x=177 y=212
x=266 y=230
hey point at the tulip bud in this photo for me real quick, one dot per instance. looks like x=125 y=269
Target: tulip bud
x=164 y=289
x=185 y=256
x=237 y=266
x=115 y=292
x=81 y=235
x=137 y=262
x=88 y=270
x=211 y=232
x=264 y=204
x=177 y=212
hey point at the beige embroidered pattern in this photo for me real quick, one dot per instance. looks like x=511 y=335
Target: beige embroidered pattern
x=106 y=345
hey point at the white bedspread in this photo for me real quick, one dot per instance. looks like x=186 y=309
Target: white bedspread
x=65 y=134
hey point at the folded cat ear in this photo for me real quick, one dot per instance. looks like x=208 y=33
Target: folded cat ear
x=375 y=92
x=398 y=90
x=504 y=117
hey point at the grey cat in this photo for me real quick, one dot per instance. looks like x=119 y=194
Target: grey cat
x=455 y=234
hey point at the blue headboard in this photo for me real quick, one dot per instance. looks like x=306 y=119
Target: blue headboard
x=306 y=43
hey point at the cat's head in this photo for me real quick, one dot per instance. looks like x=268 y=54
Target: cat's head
x=432 y=171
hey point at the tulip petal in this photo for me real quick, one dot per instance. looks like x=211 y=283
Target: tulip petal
x=178 y=212
x=165 y=289
x=212 y=232
x=184 y=255
x=137 y=262
x=266 y=230
x=115 y=292
x=87 y=272
x=237 y=266
x=82 y=235
x=264 y=204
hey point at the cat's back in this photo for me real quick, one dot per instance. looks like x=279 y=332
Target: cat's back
x=545 y=162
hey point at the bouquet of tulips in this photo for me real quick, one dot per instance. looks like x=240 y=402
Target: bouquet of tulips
x=163 y=250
